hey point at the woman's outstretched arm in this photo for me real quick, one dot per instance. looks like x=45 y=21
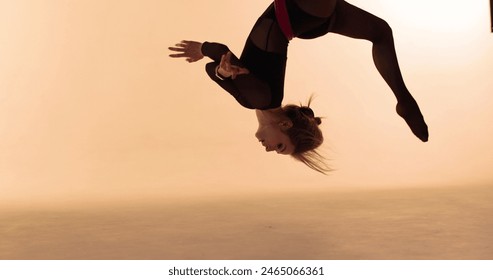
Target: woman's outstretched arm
x=227 y=71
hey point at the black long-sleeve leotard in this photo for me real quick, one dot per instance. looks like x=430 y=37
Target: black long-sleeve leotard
x=263 y=87
x=265 y=56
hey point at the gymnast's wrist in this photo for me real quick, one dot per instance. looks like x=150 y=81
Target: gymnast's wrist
x=221 y=73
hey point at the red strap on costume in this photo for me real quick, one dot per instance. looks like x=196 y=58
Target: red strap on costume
x=283 y=18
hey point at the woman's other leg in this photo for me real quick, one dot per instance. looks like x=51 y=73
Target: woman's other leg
x=354 y=22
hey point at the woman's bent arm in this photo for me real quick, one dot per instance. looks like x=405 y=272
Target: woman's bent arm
x=247 y=89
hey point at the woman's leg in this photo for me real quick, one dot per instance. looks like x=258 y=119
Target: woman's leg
x=354 y=22
x=267 y=35
x=318 y=8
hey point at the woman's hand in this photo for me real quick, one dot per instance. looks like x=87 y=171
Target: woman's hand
x=226 y=69
x=189 y=49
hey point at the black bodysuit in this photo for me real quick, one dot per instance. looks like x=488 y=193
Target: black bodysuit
x=265 y=55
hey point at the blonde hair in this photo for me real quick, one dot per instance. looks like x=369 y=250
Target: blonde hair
x=306 y=136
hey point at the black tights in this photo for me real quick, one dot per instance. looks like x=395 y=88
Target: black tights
x=350 y=21
x=353 y=22
x=356 y=23
x=267 y=35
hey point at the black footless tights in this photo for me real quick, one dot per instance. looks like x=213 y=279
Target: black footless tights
x=354 y=22
x=350 y=21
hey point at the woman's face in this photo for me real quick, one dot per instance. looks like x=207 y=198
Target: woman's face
x=271 y=133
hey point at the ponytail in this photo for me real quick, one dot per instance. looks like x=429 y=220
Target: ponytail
x=306 y=136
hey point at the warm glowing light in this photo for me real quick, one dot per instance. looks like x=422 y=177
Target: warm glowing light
x=440 y=15
x=92 y=107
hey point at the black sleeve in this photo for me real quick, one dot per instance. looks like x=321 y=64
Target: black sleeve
x=214 y=50
x=247 y=89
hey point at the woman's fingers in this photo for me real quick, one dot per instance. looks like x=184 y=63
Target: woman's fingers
x=225 y=64
x=186 y=42
x=181 y=51
x=236 y=70
x=239 y=70
x=179 y=55
x=228 y=57
x=180 y=47
x=183 y=43
x=188 y=49
x=243 y=71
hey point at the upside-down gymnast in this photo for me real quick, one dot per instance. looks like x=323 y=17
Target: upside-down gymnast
x=256 y=79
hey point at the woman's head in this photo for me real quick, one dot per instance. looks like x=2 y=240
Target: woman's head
x=271 y=132
x=306 y=136
x=293 y=130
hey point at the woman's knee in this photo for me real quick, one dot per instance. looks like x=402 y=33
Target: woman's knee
x=383 y=31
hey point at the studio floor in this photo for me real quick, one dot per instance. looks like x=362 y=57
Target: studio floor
x=386 y=224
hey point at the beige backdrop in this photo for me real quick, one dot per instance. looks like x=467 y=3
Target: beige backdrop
x=93 y=109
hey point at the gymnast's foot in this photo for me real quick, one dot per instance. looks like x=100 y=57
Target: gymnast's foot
x=410 y=112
